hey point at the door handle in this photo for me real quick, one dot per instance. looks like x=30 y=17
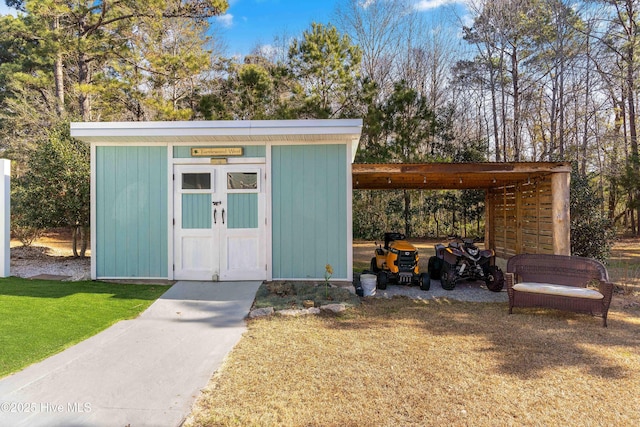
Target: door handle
x=215 y=214
x=223 y=215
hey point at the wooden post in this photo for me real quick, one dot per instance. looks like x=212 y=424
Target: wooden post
x=519 y=247
x=505 y=225
x=538 y=213
x=560 y=212
x=489 y=229
x=5 y=216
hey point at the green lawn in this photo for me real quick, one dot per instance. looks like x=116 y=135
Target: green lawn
x=39 y=318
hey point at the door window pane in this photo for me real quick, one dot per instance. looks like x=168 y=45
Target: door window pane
x=242 y=181
x=196 y=181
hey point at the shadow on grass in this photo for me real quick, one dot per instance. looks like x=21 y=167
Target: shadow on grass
x=524 y=344
x=14 y=286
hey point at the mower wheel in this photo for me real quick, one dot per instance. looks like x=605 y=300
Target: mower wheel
x=447 y=278
x=425 y=281
x=494 y=278
x=382 y=280
x=434 y=267
x=374 y=265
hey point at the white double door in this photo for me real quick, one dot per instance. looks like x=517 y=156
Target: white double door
x=219 y=222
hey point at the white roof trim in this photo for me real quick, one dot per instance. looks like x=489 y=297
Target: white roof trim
x=236 y=131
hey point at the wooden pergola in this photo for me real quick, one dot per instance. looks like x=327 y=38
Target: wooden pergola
x=527 y=203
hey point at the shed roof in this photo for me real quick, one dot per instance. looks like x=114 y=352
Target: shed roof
x=219 y=131
x=450 y=176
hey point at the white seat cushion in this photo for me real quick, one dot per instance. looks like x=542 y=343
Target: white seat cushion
x=550 y=289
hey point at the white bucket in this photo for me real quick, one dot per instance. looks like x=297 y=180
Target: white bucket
x=368 y=282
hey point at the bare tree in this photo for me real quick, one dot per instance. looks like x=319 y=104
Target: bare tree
x=377 y=27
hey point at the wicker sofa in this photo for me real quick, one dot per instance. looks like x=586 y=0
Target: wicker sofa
x=560 y=282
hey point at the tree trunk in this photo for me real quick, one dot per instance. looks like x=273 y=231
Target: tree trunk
x=464 y=220
x=58 y=73
x=561 y=141
x=612 y=198
x=633 y=135
x=407 y=213
x=585 y=134
x=59 y=80
x=453 y=222
x=553 y=121
x=84 y=78
x=84 y=230
x=74 y=236
x=494 y=111
x=632 y=216
x=516 y=104
x=503 y=109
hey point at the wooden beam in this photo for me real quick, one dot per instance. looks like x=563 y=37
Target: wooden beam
x=450 y=176
x=560 y=184
x=457 y=168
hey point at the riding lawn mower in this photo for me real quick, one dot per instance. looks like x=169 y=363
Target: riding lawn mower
x=397 y=262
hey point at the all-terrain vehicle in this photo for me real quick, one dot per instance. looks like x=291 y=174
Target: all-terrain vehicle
x=462 y=259
x=397 y=262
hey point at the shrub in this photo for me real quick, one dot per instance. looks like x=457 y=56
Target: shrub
x=26 y=234
x=54 y=191
x=592 y=233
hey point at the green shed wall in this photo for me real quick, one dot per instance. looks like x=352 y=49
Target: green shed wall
x=131 y=212
x=309 y=211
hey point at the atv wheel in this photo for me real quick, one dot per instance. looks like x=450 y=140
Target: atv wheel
x=494 y=278
x=447 y=277
x=434 y=268
x=374 y=265
x=382 y=280
x=425 y=281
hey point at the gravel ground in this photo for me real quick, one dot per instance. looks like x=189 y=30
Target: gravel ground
x=472 y=292
x=36 y=261
x=464 y=291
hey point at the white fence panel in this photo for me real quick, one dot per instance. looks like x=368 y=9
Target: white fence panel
x=5 y=217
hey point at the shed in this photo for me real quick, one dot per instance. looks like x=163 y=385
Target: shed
x=527 y=203
x=221 y=200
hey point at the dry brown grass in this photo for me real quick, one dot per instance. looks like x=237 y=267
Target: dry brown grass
x=401 y=362
x=624 y=269
x=55 y=242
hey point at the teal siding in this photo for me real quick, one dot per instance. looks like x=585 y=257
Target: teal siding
x=309 y=208
x=242 y=209
x=248 y=151
x=131 y=212
x=196 y=211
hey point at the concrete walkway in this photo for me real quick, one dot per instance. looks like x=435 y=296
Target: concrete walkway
x=142 y=372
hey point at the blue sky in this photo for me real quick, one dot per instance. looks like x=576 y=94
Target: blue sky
x=248 y=23
x=251 y=22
